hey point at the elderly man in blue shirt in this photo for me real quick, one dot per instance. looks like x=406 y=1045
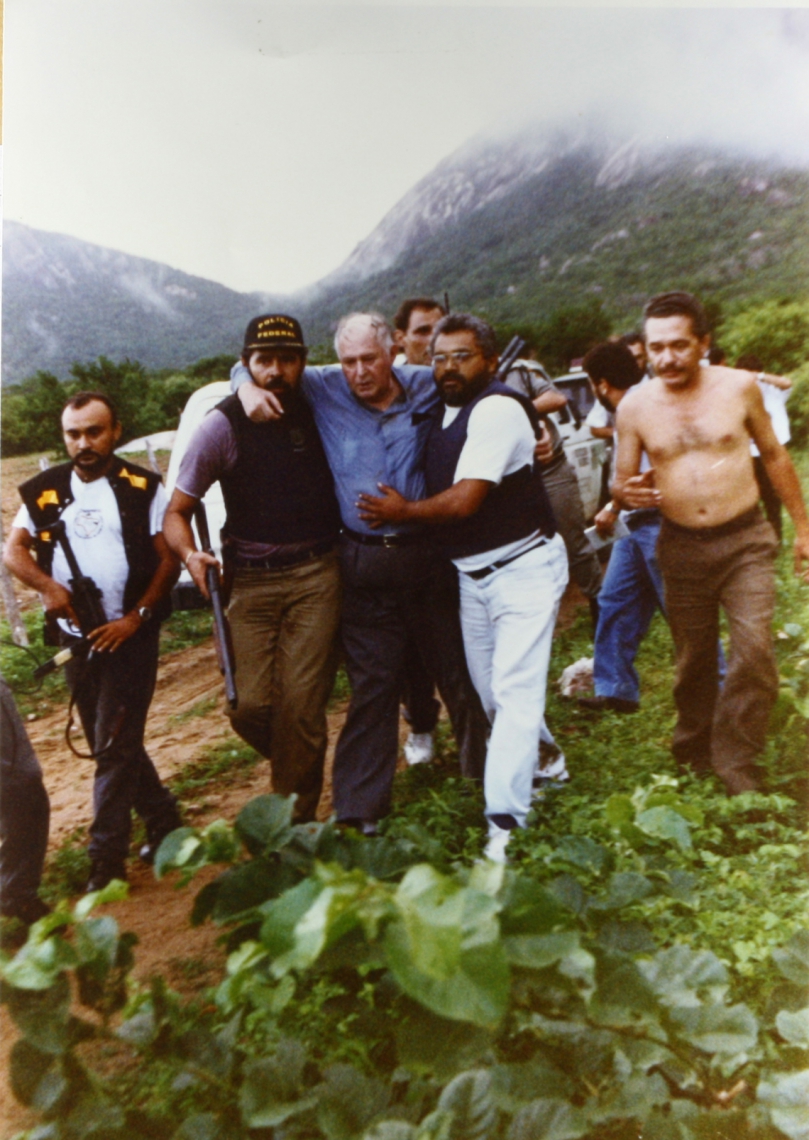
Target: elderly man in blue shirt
x=373 y=419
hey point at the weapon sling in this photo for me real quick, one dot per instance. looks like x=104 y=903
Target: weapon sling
x=87 y=602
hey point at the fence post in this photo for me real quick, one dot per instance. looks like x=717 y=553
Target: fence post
x=152 y=458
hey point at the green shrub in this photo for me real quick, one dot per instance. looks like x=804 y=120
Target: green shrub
x=370 y=995
x=798 y=406
x=777 y=332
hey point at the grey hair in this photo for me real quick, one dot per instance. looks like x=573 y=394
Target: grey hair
x=374 y=321
x=465 y=322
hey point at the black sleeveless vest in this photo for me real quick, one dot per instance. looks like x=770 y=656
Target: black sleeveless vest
x=47 y=495
x=280 y=490
x=512 y=510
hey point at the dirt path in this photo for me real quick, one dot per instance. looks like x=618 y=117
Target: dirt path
x=156 y=911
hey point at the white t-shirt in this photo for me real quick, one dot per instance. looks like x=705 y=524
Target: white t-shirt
x=499 y=440
x=93 y=526
x=599 y=416
x=775 y=405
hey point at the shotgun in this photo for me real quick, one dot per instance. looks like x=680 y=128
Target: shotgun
x=221 y=627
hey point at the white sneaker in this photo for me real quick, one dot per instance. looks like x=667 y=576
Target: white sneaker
x=495 y=848
x=418 y=748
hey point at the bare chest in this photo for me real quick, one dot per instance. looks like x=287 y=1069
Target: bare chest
x=707 y=425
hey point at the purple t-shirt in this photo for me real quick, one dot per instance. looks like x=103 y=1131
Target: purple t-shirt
x=211 y=453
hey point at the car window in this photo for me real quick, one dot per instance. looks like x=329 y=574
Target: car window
x=578 y=391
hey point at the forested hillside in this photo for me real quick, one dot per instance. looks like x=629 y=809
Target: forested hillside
x=65 y=300
x=525 y=231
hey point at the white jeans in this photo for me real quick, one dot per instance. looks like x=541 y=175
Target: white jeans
x=507 y=620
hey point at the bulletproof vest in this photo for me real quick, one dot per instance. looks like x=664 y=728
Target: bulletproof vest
x=512 y=510
x=47 y=495
x=280 y=489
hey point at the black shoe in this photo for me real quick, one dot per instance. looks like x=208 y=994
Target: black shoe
x=28 y=910
x=102 y=872
x=593 y=604
x=608 y=704
x=366 y=827
x=149 y=849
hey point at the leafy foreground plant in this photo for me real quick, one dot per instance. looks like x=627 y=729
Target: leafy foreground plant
x=478 y=1003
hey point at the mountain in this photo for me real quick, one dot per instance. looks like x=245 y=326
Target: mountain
x=67 y=300
x=518 y=227
x=514 y=228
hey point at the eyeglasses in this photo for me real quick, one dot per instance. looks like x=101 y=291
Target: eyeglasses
x=462 y=356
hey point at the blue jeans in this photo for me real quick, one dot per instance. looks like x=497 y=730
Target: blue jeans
x=631 y=592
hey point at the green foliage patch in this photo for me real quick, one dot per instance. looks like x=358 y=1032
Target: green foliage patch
x=368 y=994
x=147 y=401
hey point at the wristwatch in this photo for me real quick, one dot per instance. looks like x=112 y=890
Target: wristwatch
x=144 y=613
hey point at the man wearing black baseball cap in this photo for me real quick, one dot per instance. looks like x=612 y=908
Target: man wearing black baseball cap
x=278 y=539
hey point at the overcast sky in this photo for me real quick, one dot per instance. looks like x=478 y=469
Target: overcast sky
x=256 y=143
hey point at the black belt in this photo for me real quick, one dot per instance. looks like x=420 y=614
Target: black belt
x=503 y=561
x=636 y=519
x=281 y=561
x=387 y=540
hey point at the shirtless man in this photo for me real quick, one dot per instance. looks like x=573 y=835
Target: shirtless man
x=695 y=423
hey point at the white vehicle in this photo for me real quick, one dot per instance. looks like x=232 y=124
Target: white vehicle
x=185 y=594
x=585 y=455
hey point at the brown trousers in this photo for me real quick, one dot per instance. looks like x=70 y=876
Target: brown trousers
x=729 y=566
x=284 y=625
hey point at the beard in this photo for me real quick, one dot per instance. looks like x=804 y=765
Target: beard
x=90 y=461
x=461 y=391
x=605 y=403
x=283 y=391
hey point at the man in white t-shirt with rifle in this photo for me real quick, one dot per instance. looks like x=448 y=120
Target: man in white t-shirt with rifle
x=112 y=513
x=490 y=514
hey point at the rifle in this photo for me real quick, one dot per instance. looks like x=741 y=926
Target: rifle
x=508 y=356
x=222 y=638
x=86 y=600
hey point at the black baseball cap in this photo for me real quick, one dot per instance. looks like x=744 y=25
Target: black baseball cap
x=273 y=330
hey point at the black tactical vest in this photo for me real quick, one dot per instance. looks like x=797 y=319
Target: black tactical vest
x=280 y=490
x=513 y=509
x=47 y=495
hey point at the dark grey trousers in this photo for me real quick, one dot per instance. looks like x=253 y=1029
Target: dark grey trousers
x=24 y=809
x=389 y=594
x=112 y=692
x=563 y=491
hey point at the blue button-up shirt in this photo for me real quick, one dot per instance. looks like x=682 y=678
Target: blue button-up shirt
x=365 y=446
